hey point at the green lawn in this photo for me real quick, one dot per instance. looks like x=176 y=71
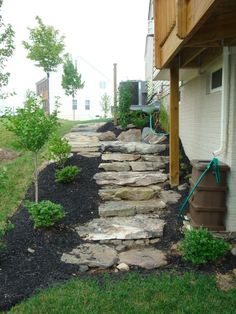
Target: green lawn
x=19 y=171
x=134 y=294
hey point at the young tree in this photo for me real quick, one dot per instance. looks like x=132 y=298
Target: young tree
x=32 y=128
x=71 y=79
x=45 y=46
x=105 y=104
x=6 y=50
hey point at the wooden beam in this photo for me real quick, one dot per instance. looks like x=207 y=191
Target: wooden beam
x=217 y=28
x=191 y=14
x=181 y=18
x=170 y=48
x=157 y=52
x=174 y=126
x=189 y=54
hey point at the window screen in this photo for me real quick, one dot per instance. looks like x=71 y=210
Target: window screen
x=216 y=79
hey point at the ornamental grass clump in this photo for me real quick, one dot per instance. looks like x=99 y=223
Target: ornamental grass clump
x=45 y=213
x=199 y=246
x=67 y=174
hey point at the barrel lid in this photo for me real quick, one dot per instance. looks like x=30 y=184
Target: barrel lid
x=202 y=164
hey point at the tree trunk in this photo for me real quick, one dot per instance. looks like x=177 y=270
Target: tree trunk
x=36 y=178
x=73 y=97
x=48 y=107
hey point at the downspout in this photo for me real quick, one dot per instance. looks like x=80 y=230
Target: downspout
x=224 y=103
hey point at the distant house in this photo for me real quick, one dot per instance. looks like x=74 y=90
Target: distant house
x=195 y=49
x=88 y=98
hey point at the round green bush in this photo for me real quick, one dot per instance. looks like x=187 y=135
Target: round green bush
x=67 y=174
x=199 y=246
x=44 y=213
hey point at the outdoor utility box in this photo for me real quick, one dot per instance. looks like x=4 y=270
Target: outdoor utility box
x=208 y=202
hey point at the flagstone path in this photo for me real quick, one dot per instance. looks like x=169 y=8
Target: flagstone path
x=130 y=180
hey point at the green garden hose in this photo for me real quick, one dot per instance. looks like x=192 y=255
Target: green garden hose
x=215 y=164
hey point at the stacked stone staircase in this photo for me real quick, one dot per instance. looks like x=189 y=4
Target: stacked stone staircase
x=130 y=180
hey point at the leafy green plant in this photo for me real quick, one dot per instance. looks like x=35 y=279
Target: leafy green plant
x=105 y=104
x=45 y=46
x=138 y=118
x=58 y=149
x=32 y=127
x=44 y=213
x=125 y=98
x=199 y=246
x=164 y=119
x=71 y=79
x=7 y=48
x=67 y=174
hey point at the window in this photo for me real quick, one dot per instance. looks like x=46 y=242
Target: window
x=87 y=104
x=150 y=27
x=102 y=84
x=216 y=80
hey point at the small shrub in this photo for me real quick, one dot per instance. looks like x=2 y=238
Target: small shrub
x=58 y=149
x=125 y=99
x=45 y=213
x=164 y=119
x=67 y=174
x=199 y=246
x=139 y=119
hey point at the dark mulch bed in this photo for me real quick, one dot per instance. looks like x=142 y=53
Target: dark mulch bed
x=109 y=126
x=22 y=273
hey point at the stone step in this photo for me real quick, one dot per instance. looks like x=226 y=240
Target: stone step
x=130 y=193
x=130 y=178
x=120 y=147
x=116 y=229
x=133 y=147
x=82 y=136
x=120 y=157
x=91 y=255
x=132 y=166
x=87 y=127
x=131 y=208
x=77 y=147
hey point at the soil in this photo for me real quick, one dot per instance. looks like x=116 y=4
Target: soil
x=109 y=126
x=7 y=155
x=23 y=271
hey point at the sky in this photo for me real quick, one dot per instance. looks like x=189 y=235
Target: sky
x=101 y=31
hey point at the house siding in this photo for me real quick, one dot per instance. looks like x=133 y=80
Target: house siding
x=200 y=126
x=200 y=114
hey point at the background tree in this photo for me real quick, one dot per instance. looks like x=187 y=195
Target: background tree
x=45 y=46
x=6 y=50
x=105 y=104
x=125 y=99
x=32 y=128
x=71 y=79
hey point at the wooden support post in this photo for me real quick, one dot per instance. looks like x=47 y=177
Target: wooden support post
x=115 y=92
x=174 y=126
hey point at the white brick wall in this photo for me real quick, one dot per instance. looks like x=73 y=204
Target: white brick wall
x=200 y=127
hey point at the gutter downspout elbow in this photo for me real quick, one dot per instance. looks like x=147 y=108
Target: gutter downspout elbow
x=224 y=103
